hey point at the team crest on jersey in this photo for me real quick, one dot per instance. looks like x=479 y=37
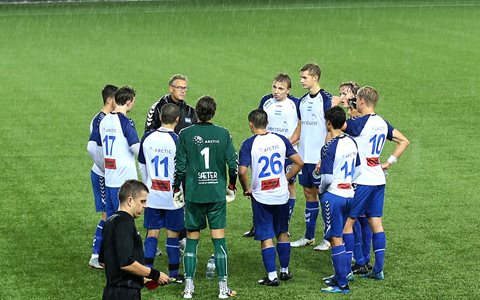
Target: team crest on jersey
x=198 y=140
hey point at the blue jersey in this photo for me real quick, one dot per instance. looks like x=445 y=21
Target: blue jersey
x=339 y=159
x=282 y=115
x=95 y=136
x=157 y=153
x=266 y=155
x=313 y=129
x=117 y=134
x=370 y=133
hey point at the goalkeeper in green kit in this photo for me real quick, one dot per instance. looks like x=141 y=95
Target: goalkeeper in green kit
x=203 y=152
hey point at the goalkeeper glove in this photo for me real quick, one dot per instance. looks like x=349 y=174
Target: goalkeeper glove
x=178 y=200
x=231 y=190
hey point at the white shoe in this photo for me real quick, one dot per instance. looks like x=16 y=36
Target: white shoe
x=225 y=292
x=93 y=263
x=189 y=289
x=302 y=242
x=323 y=246
x=158 y=252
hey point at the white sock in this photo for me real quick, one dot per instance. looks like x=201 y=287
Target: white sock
x=272 y=275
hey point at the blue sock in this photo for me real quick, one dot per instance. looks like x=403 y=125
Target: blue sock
x=291 y=205
x=357 y=249
x=268 y=256
x=339 y=260
x=97 y=239
x=150 y=246
x=349 y=241
x=283 y=250
x=311 y=215
x=173 y=253
x=366 y=238
x=379 y=243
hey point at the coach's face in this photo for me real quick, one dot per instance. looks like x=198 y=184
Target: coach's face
x=138 y=204
x=280 y=90
x=178 y=90
x=307 y=80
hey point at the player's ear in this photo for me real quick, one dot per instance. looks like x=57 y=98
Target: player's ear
x=177 y=119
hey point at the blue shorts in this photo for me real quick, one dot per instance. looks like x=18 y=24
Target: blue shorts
x=307 y=176
x=112 y=202
x=269 y=220
x=99 y=194
x=368 y=200
x=334 y=214
x=288 y=166
x=164 y=218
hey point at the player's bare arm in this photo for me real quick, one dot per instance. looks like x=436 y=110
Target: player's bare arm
x=402 y=144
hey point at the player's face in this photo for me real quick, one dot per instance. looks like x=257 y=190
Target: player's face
x=280 y=90
x=139 y=203
x=345 y=94
x=307 y=80
x=178 y=90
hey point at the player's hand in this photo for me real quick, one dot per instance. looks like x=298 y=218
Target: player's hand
x=178 y=199
x=230 y=194
x=163 y=279
x=317 y=168
x=248 y=194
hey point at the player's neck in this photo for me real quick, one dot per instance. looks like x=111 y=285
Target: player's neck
x=314 y=89
x=261 y=131
x=121 y=109
x=169 y=126
x=335 y=132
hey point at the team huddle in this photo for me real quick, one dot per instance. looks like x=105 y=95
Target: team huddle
x=189 y=168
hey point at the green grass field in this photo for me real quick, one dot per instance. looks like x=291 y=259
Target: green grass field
x=422 y=56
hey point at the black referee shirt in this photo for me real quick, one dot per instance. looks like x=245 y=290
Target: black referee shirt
x=187 y=114
x=121 y=246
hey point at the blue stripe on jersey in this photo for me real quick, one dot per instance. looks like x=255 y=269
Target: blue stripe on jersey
x=327 y=100
x=263 y=100
x=128 y=128
x=141 y=156
x=297 y=104
x=356 y=125
x=95 y=134
x=245 y=154
x=328 y=156
x=290 y=150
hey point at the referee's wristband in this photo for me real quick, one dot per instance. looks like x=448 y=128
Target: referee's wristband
x=392 y=159
x=154 y=274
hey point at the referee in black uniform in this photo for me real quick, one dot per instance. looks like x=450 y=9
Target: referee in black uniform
x=122 y=247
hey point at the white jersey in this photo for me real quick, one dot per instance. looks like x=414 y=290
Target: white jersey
x=370 y=133
x=282 y=115
x=117 y=134
x=340 y=159
x=157 y=153
x=313 y=128
x=94 y=136
x=266 y=155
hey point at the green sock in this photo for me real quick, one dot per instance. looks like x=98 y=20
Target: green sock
x=190 y=258
x=220 y=258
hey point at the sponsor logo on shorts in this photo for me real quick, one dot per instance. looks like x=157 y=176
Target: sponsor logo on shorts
x=316 y=175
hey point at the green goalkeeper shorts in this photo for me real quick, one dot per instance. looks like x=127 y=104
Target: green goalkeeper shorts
x=197 y=214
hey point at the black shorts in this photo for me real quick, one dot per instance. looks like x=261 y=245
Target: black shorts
x=121 y=293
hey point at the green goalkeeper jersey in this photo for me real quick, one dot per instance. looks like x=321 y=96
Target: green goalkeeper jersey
x=204 y=151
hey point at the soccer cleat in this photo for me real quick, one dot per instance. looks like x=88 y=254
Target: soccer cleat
x=369 y=266
x=323 y=246
x=358 y=269
x=93 y=263
x=158 y=252
x=285 y=276
x=302 y=242
x=178 y=280
x=331 y=281
x=225 y=292
x=249 y=233
x=266 y=281
x=373 y=275
x=189 y=289
x=336 y=289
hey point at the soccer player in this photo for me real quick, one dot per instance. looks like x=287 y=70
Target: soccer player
x=284 y=119
x=178 y=87
x=370 y=132
x=97 y=174
x=339 y=160
x=122 y=247
x=157 y=166
x=120 y=145
x=313 y=132
x=203 y=151
x=266 y=154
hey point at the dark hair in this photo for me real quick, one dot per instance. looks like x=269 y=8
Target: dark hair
x=369 y=95
x=108 y=91
x=177 y=76
x=352 y=85
x=169 y=113
x=259 y=118
x=313 y=69
x=131 y=188
x=124 y=94
x=336 y=116
x=283 y=78
x=205 y=108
